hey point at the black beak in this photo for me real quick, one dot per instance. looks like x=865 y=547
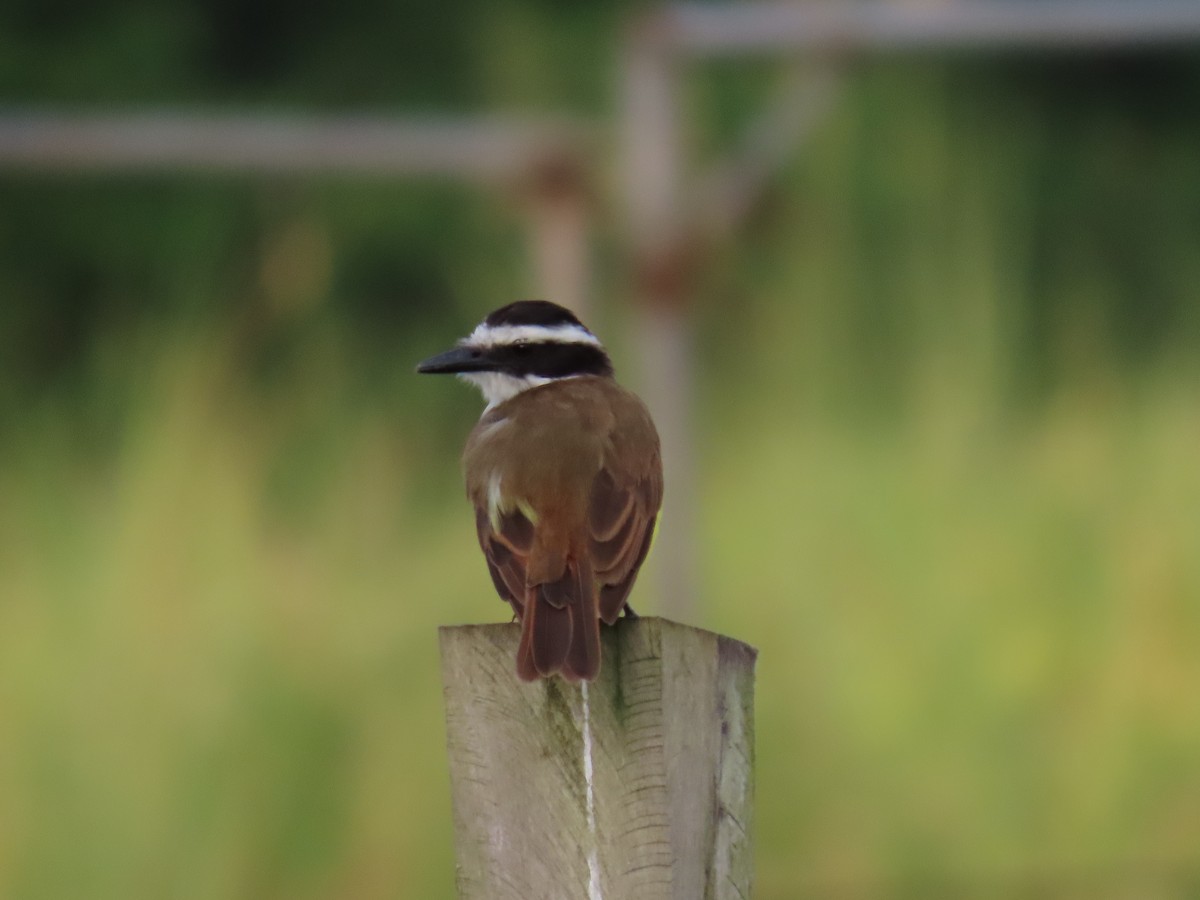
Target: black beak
x=460 y=359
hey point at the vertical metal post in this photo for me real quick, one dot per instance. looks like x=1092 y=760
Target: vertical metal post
x=652 y=166
x=558 y=234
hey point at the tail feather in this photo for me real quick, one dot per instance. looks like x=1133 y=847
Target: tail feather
x=550 y=635
x=583 y=657
x=526 y=670
x=560 y=630
x=545 y=637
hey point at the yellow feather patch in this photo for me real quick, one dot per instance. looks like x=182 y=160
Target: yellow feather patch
x=527 y=511
x=498 y=504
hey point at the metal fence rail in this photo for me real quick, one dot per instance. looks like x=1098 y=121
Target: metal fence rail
x=471 y=149
x=710 y=29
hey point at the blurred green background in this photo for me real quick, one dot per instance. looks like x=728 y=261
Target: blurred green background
x=947 y=446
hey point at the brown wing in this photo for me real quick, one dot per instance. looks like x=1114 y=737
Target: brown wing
x=506 y=552
x=559 y=628
x=621 y=521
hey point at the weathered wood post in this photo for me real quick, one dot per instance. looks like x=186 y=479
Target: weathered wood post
x=639 y=786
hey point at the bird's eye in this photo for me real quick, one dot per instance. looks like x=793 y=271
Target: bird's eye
x=521 y=347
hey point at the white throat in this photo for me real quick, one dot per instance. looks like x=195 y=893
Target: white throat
x=497 y=387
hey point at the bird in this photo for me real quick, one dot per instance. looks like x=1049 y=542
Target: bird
x=564 y=470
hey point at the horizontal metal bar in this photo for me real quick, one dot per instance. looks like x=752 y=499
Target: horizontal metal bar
x=710 y=29
x=482 y=149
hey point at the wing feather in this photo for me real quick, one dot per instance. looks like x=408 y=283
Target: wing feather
x=619 y=546
x=507 y=553
x=608 y=507
x=614 y=596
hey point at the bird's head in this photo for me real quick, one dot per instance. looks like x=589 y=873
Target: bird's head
x=520 y=346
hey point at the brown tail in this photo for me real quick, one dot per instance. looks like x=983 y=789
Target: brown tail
x=560 y=628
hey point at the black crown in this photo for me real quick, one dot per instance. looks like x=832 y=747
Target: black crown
x=533 y=312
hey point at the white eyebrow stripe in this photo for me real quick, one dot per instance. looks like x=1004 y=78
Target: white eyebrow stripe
x=486 y=335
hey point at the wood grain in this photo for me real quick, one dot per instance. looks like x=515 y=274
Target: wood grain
x=668 y=810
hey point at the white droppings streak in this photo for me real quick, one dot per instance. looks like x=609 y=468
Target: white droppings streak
x=594 y=892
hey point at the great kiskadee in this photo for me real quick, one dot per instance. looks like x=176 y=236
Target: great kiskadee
x=565 y=474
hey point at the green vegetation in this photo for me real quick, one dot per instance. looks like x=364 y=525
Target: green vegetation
x=948 y=431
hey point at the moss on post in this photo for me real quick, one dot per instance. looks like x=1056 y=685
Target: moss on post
x=639 y=785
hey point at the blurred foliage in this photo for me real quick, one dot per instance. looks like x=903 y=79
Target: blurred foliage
x=947 y=439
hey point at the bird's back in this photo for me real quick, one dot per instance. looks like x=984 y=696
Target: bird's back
x=566 y=480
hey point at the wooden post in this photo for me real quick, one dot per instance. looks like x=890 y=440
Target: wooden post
x=638 y=786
